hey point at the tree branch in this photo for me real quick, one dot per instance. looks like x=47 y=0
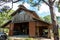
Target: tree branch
x=37 y=3
x=59 y=2
x=53 y=1
x=45 y=2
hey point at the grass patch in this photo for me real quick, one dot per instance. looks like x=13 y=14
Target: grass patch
x=59 y=32
x=28 y=39
x=20 y=38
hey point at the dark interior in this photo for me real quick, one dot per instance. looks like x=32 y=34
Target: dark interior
x=43 y=32
x=21 y=28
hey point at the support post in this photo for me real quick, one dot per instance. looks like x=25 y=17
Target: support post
x=11 y=29
x=32 y=29
x=49 y=35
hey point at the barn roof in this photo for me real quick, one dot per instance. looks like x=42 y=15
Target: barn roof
x=21 y=7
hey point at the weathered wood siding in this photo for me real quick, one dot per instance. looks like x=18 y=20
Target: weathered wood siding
x=22 y=17
x=32 y=29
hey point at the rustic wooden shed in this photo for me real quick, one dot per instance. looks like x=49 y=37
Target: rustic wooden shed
x=27 y=22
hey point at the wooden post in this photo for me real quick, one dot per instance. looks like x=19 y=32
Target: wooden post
x=11 y=29
x=51 y=32
x=38 y=31
x=49 y=35
x=32 y=29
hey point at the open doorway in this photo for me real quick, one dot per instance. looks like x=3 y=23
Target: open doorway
x=21 y=28
x=43 y=32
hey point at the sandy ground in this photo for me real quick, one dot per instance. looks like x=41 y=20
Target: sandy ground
x=18 y=38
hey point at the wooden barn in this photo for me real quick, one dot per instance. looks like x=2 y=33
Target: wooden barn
x=27 y=22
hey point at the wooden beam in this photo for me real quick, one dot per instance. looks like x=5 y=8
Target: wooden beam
x=49 y=35
x=11 y=29
x=32 y=29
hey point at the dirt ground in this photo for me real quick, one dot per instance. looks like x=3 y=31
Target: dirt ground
x=17 y=38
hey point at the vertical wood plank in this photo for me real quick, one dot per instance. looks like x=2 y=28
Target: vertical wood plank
x=11 y=29
x=32 y=29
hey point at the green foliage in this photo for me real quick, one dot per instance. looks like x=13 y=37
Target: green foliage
x=30 y=0
x=47 y=18
x=59 y=9
x=28 y=39
x=58 y=19
x=37 y=2
x=59 y=32
x=34 y=2
x=4 y=17
x=41 y=18
x=59 y=5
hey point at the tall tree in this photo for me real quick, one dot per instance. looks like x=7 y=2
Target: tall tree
x=59 y=6
x=50 y=3
x=53 y=17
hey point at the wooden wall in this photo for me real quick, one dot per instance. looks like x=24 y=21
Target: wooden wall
x=32 y=29
x=22 y=17
x=11 y=29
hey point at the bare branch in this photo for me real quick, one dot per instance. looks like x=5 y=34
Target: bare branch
x=59 y=2
x=46 y=2
x=53 y=1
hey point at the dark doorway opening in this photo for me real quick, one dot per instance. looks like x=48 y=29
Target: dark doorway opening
x=21 y=28
x=43 y=32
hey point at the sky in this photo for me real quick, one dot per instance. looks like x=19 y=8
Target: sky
x=43 y=9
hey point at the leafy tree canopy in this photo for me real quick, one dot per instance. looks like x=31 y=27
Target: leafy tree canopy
x=47 y=18
x=5 y=17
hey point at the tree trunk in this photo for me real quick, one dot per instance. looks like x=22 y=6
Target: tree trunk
x=59 y=6
x=54 y=23
x=12 y=3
